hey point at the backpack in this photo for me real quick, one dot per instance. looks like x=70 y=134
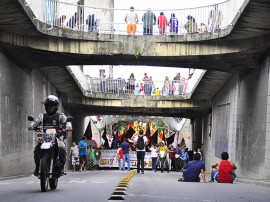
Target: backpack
x=140 y=143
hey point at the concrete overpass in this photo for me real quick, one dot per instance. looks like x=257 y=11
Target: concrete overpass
x=35 y=46
x=209 y=51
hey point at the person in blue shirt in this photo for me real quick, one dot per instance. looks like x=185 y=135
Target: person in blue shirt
x=193 y=169
x=178 y=154
x=125 y=148
x=83 y=153
x=184 y=158
x=173 y=24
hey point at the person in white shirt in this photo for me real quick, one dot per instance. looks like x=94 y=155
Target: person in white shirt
x=131 y=19
x=140 y=142
x=74 y=155
x=214 y=19
x=154 y=156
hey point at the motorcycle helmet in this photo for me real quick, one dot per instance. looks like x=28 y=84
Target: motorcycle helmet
x=51 y=100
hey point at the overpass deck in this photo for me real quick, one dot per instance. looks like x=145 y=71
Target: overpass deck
x=32 y=45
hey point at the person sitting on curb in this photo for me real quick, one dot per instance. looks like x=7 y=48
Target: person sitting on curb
x=193 y=169
x=223 y=171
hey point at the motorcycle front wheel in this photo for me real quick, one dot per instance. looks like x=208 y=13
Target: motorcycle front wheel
x=44 y=180
x=53 y=183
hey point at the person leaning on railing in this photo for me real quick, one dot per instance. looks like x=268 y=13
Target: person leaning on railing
x=131 y=19
x=149 y=19
x=191 y=24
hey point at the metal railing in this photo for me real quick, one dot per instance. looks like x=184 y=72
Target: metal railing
x=149 y=22
x=139 y=87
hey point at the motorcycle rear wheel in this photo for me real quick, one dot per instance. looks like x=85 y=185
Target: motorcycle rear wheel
x=53 y=183
x=44 y=180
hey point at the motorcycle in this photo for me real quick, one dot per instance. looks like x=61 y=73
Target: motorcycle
x=50 y=167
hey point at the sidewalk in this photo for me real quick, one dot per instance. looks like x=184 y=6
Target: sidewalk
x=259 y=182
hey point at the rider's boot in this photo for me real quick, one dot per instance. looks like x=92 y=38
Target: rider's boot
x=36 y=170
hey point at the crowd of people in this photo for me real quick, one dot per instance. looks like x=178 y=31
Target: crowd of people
x=84 y=156
x=148 y=20
x=164 y=157
x=146 y=86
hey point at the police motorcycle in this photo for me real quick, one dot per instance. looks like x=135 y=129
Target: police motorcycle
x=50 y=167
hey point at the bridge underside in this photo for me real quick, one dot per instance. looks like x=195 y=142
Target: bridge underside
x=88 y=110
x=20 y=34
x=232 y=63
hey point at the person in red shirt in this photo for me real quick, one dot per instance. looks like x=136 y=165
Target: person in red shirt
x=162 y=23
x=120 y=157
x=224 y=170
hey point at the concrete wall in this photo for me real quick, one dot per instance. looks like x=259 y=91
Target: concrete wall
x=186 y=133
x=21 y=95
x=240 y=123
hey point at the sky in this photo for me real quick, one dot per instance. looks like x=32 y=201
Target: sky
x=158 y=73
x=163 y=4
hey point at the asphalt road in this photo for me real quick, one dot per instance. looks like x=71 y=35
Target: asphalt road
x=98 y=186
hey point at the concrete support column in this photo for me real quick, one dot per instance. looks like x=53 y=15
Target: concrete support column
x=197 y=133
x=78 y=127
x=76 y=134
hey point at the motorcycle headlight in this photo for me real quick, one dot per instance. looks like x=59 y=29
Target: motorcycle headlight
x=47 y=137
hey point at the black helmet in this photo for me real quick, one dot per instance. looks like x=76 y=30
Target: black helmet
x=53 y=101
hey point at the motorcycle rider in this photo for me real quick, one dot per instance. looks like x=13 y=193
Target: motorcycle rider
x=51 y=118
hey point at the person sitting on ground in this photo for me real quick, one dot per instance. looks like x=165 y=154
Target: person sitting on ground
x=193 y=169
x=223 y=171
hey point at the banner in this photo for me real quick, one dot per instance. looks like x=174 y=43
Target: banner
x=109 y=159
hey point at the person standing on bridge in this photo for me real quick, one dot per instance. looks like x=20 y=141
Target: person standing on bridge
x=102 y=81
x=146 y=84
x=131 y=19
x=131 y=83
x=162 y=23
x=173 y=24
x=149 y=19
x=214 y=19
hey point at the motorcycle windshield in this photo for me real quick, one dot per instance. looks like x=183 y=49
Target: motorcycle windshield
x=48 y=134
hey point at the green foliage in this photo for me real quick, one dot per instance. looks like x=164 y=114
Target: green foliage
x=138 y=52
x=158 y=123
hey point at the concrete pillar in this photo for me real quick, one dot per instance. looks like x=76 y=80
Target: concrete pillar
x=78 y=127
x=105 y=17
x=198 y=132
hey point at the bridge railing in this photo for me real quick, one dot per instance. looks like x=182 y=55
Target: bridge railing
x=139 y=87
x=111 y=21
